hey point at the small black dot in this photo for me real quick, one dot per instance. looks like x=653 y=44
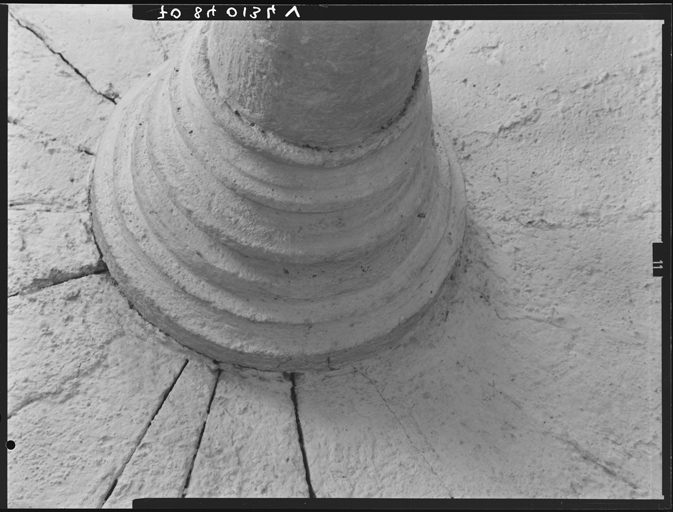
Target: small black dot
x=10 y=445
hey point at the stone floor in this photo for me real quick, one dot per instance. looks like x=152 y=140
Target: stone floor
x=535 y=375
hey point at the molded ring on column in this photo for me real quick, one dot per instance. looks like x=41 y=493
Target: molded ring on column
x=258 y=252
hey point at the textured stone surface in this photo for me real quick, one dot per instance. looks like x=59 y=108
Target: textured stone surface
x=123 y=65
x=45 y=248
x=86 y=376
x=482 y=415
x=161 y=464
x=356 y=444
x=47 y=97
x=317 y=83
x=260 y=252
x=569 y=204
x=538 y=375
x=250 y=446
x=45 y=172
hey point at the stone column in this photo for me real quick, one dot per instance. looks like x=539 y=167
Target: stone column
x=277 y=197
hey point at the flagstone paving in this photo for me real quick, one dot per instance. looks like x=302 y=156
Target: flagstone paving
x=536 y=373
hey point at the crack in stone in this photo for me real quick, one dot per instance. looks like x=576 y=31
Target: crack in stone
x=530 y=318
x=224 y=365
x=385 y=402
x=142 y=435
x=90 y=232
x=190 y=353
x=185 y=487
x=67 y=62
x=32 y=400
x=553 y=322
x=586 y=455
x=51 y=138
x=542 y=224
x=65 y=393
x=56 y=278
x=589 y=457
x=14 y=208
x=109 y=493
x=161 y=43
x=300 y=434
x=89 y=226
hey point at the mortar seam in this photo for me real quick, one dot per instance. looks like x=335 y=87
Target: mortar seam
x=300 y=434
x=185 y=487
x=144 y=432
x=385 y=402
x=29 y=290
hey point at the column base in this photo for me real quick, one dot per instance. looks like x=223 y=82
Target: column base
x=154 y=251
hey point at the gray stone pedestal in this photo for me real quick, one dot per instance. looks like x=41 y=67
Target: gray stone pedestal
x=278 y=197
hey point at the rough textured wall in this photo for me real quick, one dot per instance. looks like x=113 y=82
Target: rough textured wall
x=536 y=374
